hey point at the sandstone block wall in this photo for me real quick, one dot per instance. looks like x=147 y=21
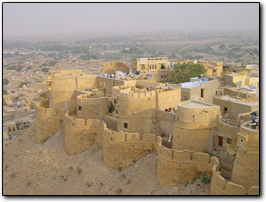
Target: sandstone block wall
x=137 y=110
x=48 y=122
x=61 y=90
x=226 y=131
x=176 y=167
x=252 y=97
x=63 y=86
x=238 y=108
x=80 y=134
x=111 y=67
x=220 y=186
x=111 y=122
x=91 y=108
x=246 y=167
x=169 y=98
x=166 y=121
x=122 y=148
x=86 y=81
x=193 y=127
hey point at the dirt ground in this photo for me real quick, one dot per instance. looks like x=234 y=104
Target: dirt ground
x=45 y=169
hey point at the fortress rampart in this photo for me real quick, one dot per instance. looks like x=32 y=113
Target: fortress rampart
x=122 y=148
x=176 y=167
x=246 y=166
x=49 y=121
x=194 y=124
x=80 y=134
x=220 y=186
x=81 y=112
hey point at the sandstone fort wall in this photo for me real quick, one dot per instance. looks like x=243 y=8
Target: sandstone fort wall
x=220 y=186
x=176 y=167
x=193 y=127
x=246 y=167
x=48 y=122
x=121 y=149
x=80 y=134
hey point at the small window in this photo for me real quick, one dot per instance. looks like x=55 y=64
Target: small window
x=9 y=129
x=229 y=141
x=80 y=108
x=225 y=110
x=220 y=141
x=116 y=111
x=125 y=125
x=202 y=92
x=115 y=101
x=216 y=93
x=14 y=129
x=143 y=67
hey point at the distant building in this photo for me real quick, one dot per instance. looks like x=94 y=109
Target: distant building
x=157 y=67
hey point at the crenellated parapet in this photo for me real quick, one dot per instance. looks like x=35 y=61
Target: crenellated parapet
x=176 y=167
x=122 y=148
x=220 y=186
x=81 y=134
x=48 y=122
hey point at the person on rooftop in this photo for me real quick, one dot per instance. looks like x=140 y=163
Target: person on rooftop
x=253 y=119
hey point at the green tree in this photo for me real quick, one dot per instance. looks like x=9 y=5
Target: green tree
x=4 y=92
x=23 y=83
x=45 y=69
x=5 y=81
x=184 y=71
x=111 y=107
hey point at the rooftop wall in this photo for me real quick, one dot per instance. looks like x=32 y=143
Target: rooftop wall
x=170 y=98
x=245 y=95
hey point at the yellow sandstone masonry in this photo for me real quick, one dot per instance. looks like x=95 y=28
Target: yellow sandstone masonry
x=76 y=103
x=245 y=176
x=194 y=124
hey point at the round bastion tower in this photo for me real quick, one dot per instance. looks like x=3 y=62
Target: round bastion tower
x=193 y=127
x=246 y=167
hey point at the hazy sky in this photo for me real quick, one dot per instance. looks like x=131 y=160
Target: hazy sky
x=29 y=19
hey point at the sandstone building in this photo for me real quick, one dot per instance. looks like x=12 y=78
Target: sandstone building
x=128 y=117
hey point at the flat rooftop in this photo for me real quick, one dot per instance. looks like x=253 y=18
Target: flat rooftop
x=193 y=104
x=240 y=101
